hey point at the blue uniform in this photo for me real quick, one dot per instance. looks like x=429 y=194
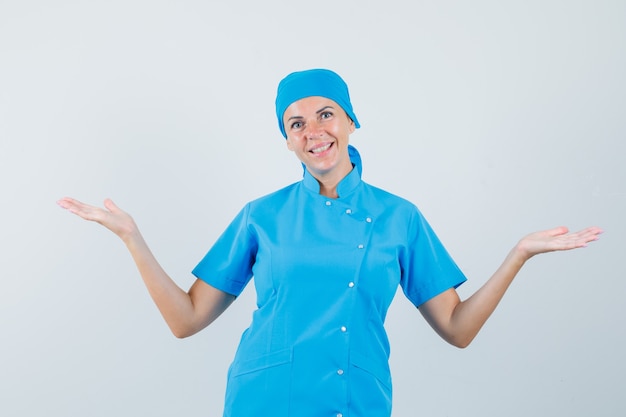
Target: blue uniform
x=325 y=272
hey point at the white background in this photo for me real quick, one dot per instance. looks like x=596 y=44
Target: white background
x=497 y=118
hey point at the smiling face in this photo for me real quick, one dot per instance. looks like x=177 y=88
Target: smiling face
x=318 y=131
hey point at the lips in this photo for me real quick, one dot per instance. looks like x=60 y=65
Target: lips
x=320 y=149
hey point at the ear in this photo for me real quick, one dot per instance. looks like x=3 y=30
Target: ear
x=352 y=126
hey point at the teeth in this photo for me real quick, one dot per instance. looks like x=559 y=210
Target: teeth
x=320 y=149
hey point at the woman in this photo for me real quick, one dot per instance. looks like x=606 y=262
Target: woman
x=327 y=254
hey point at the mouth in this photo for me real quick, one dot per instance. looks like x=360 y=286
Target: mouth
x=319 y=149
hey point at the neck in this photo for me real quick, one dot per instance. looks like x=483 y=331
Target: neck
x=328 y=190
x=329 y=181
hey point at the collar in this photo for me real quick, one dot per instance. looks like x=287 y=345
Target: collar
x=345 y=186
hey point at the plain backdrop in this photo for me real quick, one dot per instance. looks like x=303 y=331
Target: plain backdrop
x=497 y=118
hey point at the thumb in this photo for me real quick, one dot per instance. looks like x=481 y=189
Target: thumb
x=110 y=205
x=557 y=231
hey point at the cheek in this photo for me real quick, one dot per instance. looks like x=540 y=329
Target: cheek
x=292 y=143
x=342 y=132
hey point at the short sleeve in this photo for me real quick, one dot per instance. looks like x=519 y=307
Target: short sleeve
x=228 y=264
x=427 y=268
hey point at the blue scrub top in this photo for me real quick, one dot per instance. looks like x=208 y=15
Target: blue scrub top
x=325 y=272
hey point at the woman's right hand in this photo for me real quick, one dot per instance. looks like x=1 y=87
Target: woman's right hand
x=111 y=216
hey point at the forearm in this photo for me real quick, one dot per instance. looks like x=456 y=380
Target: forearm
x=184 y=312
x=470 y=315
x=174 y=303
x=458 y=322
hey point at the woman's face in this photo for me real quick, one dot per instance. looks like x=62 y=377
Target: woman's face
x=318 y=131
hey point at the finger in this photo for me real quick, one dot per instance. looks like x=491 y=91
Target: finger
x=594 y=230
x=70 y=204
x=66 y=202
x=83 y=210
x=557 y=231
x=590 y=234
x=582 y=238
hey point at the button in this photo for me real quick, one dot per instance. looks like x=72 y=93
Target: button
x=328 y=203
x=348 y=211
x=344 y=329
x=339 y=371
x=350 y=284
x=369 y=219
x=361 y=246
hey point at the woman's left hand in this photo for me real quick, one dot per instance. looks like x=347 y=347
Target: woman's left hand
x=556 y=239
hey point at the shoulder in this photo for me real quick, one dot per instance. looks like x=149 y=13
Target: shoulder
x=274 y=199
x=394 y=212
x=388 y=200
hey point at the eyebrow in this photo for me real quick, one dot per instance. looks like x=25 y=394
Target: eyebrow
x=317 y=112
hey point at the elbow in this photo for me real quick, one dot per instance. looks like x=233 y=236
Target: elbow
x=461 y=344
x=186 y=328
x=181 y=335
x=461 y=341
x=183 y=332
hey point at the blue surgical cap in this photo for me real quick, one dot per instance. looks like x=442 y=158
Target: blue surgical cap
x=314 y=82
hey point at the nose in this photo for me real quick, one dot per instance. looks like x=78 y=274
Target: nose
x=314 y=130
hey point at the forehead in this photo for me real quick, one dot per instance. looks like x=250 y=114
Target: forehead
x=309 y=105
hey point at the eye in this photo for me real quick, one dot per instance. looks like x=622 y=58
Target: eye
x=296 y=125
x=326 y=115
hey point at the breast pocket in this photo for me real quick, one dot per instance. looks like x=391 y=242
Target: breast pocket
x=260 y=386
